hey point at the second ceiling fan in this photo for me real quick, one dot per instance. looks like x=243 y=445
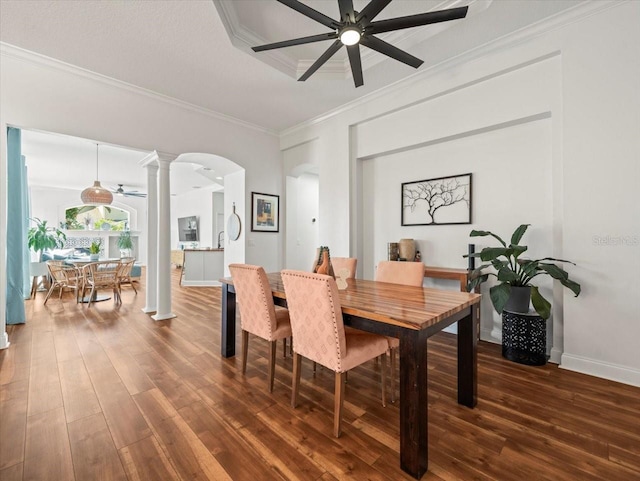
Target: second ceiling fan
x=355 y=28
x=127 y=193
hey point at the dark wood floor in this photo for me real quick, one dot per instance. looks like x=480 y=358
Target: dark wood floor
x=107 y=393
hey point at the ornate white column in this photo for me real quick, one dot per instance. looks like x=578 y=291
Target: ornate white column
x=150 y=163
x=163 y=310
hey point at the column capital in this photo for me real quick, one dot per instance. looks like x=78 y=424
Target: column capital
x=153 y=159
x=166 y=156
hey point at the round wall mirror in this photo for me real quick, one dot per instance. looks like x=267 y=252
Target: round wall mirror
x=234 y=225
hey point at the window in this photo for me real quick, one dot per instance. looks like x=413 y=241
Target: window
x=98 y=217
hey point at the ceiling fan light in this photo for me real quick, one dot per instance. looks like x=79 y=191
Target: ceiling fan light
x=350 y=36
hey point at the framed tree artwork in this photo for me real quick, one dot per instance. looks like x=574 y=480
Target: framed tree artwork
x=265 y=212
x=439 y=201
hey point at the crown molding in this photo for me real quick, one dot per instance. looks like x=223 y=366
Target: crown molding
x=555 y=22
x=17 y=53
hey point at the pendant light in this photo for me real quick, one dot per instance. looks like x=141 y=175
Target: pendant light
x=96 y=194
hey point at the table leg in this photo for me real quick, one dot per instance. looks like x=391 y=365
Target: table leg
x=413 y=403
x=228 y=330
x=468 y=358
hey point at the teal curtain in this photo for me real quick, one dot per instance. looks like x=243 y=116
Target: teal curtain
x=17 y=226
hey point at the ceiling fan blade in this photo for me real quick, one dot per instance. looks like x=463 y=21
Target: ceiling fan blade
x=373 y=8
x=416 y=20
x=134 y=194
x=323 y=58
x=311 y=13
x=296 y=41
x=347 y=14
x=356 y=64
x=389 y=50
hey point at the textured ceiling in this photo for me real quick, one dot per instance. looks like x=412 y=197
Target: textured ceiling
x=182 y=49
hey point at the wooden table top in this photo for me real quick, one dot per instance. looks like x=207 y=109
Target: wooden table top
x=406 y=306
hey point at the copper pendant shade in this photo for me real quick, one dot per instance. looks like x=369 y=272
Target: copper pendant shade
x=96 y=194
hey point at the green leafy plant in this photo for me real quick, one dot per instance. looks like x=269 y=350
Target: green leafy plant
x=42 y=237
x=95 y=246
x=513 y=271
x=124 y=240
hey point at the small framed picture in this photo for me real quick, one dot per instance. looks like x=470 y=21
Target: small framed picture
x=265 y=212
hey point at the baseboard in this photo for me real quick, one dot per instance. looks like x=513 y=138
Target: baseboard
x=555 y=356
x=162 y=317
x=489 y=336
x=4 y=340
x=613 y=372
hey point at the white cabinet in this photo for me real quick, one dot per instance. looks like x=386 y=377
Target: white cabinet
x=202 y=267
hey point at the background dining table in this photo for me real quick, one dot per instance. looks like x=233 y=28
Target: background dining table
x=411 y=314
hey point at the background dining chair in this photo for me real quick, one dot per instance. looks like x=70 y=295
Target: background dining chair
x=101 y=275
x=124 y=276
x=405 y=273
x=319 y=335
x=349 y=263
x=62 y=277
x=258 y=315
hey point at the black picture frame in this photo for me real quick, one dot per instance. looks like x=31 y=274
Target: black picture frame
x=265 y=212
x=437 y=201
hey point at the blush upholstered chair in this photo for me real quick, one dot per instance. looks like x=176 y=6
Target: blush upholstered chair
x=348 y=263
x=258 y=315
x=408 y=274
x=319 y=335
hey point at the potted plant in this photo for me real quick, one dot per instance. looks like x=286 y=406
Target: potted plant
x=42 y=237
x=125 y=243
x=94 y=249
x=515 y=274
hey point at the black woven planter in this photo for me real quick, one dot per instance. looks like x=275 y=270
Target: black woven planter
x=524 y=338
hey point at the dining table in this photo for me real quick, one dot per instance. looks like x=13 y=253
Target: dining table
x=411 y=314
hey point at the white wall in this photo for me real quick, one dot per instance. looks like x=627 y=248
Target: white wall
x=601 y=183
x=559 y=107
x=199 y=203
x=492 y=157
x=39 y=93
x=235 y=200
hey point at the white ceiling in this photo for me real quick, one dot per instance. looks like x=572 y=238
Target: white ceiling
x=66 y=162
x=198 y=51
x=182 y=49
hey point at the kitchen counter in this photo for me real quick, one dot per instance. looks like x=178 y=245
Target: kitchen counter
x=202 y=267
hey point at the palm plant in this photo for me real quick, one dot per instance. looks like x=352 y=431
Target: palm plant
x=512 y=271
x=42 y=237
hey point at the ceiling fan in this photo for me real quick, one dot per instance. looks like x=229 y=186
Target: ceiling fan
x=127 y=193
x=355 y=28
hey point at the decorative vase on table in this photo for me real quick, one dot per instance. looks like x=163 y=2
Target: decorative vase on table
x=94 y=257
x=407 y=249
x=322 y=263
